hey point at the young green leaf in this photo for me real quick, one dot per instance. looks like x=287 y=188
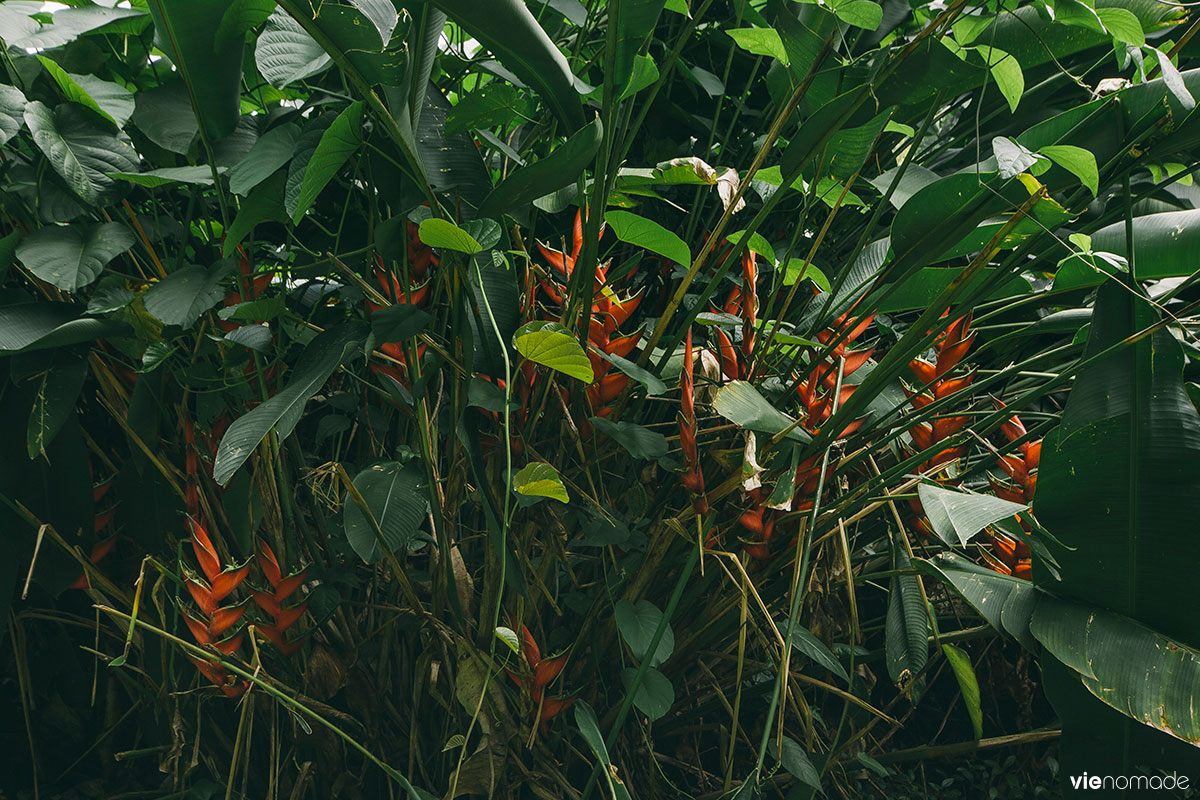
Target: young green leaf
x=637 y=624
x=957 y=516
x=655 y=696
x=964 y=673
x=437 y=232
x=1079 y=162
x=645 y=233
x=760 y=42
x=337 y=144
x=537 y=479
x=551 y=345
x=1006 y=72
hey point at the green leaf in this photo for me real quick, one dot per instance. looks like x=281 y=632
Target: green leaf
x=164 y=114
x=907 y=629
x=638 y=441
x=968 y=684
x=488 y=106
x=1079 y=162
x=12 y=111
x=649 y=235
x=796 y=267
x=53 y=404
x=637 y=624
x=45 y=325
x=537 y=479
x=265 y=204
x=72 y=256
x=209 y=65
x=239 y=17
x=551 y=345
x=740 y=403
x=1123 y=24
x=794 y=759
x=80 y=153
x=957 y=516
x=560 y=168
x=285 y=53
x=165 y=176
x=645 y=73
x=337 y=144
x=110 y=100
x=1011 y=158
x=260 y=310
x=1004 y=601
x=589 y=728
x=398 y=322
x=655 y=696
x=859 y=13
x=1174 y=81
x=804 y=641
x=510 y=639
x=760 y=42
x=396 y=502
x=1118 y=488
x=255 y=337
x=509 y=30
x=758 y=244
x=1006 y=72
x=1145 y=675
x=652 y=382
x=437 y=232
x=272 y=150
x=181 y=297
x=281 y=412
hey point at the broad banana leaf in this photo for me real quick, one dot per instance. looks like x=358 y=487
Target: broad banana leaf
x=1119 y=484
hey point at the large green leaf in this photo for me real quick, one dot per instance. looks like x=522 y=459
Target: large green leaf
x=337 y=144
x=186 y=30
x=740 y=403
x=285 y=53
x=181 y=297
x=907 y=629
x=637 y=623
x=551 y=345
x=1136 y=670
x=53 y=404
x=562 y=167
x=273 y=149
x=1006 y=602
x=72 y=256
x=957 y=516
x=648 y=234
x=12 y=111
x=655 y=696
x=45 y=325
x=79 y=151
x=1165 y=244
x=1118 y=484
x=396 y=500
x=510 y=32
x=110 y=100
x=281 y=412
x=968 y=684
x=164 y=114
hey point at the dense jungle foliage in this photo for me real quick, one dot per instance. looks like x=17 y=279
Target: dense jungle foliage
x=598 y=398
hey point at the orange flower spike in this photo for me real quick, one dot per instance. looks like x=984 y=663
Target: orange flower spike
x=268 y=563
x=206 y=554
x=287 y=617
x=553 y=706
x=623 y=310
x=529 y=648
x=945 y=388
x=1024 y=570
x=547 y=670
x=224 y=584
x=1033 y=455
x=556 y=259
x=101 y=489
x=198 y=628
x=203 y=597
x=288 y=586
x=728 y=356
x=229 y=646
x=623 y=345
x=225 y=618
x=100 y=521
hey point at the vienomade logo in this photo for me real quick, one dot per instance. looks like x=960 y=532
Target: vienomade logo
x=1169 y=782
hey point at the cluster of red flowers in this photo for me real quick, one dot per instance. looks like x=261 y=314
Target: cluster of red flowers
x=421 y=258
x=950 y=349
x=1012 y=556
x=693 y=475
x=101 y=521
x=215 y=625
x=742 y=300
x=538 y=674
x=608 y=313
x=817 y=399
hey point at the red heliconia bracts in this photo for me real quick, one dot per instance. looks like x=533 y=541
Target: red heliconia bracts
x=1012 y=557
x=693 y=476
x=950 y=349
x=609 y=313
x=212 y=626
x=100 y=521
x=272 y=602
x=250 y=286
x=742 y=301
x=421 y=258
x=539 y=674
